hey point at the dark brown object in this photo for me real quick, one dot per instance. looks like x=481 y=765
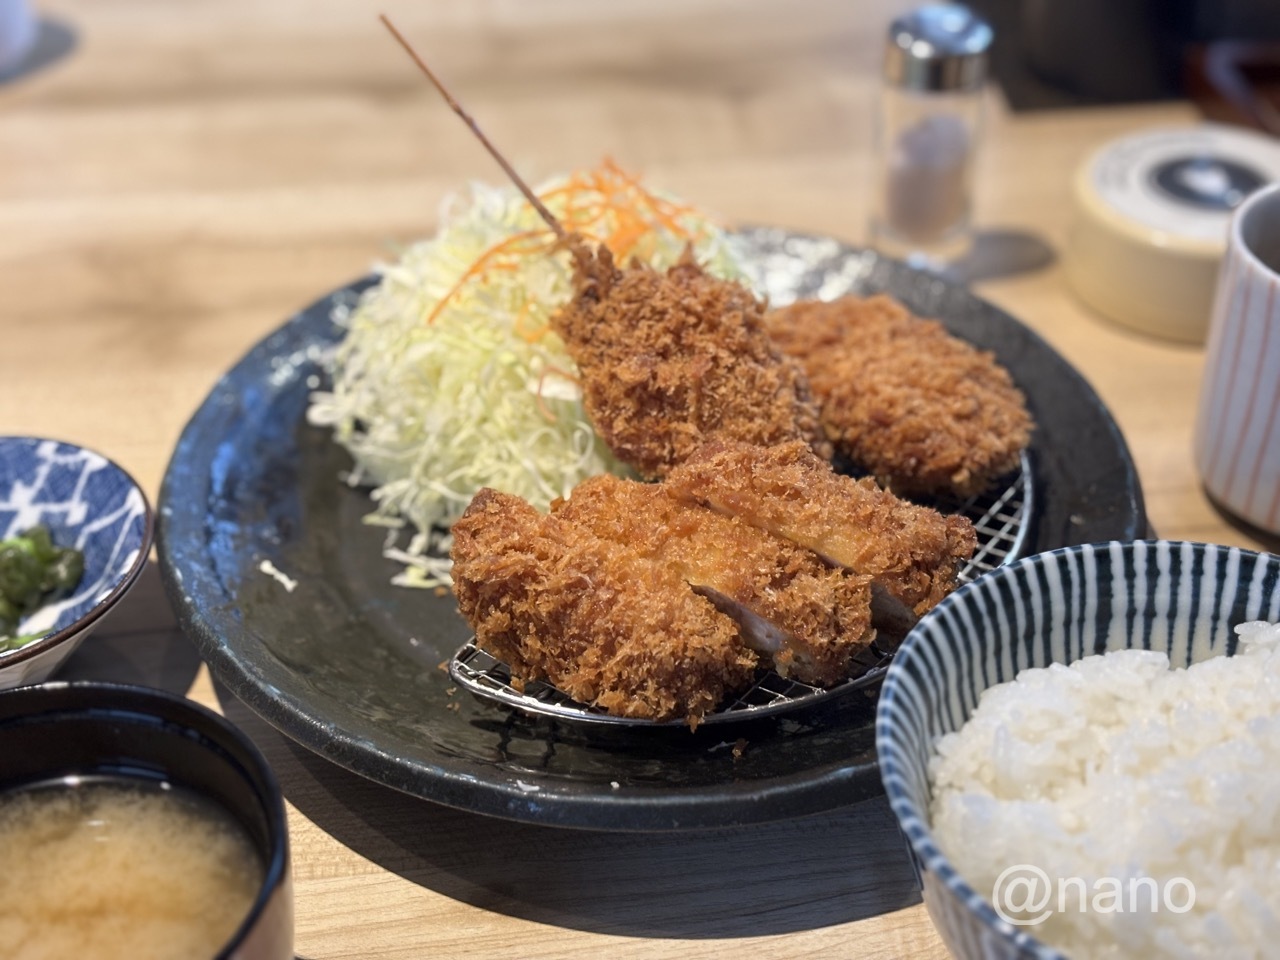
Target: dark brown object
x=921 y=410
x=1237 y=82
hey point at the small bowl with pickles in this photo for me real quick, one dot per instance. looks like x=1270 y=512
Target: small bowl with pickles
x=75 y=532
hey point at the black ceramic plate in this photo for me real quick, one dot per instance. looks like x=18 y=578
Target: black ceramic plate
x=350 y=666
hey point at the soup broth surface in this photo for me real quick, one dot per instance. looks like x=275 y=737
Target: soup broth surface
x=115 y=870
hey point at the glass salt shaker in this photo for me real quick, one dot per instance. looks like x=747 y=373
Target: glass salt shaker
x=927 y=131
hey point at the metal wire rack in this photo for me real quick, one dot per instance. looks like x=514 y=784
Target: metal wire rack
x=1001 y=521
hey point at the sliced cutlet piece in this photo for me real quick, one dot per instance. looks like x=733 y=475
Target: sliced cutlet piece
x=921 y=410
x=601 y=622
x=808 y=618
x=911 y=551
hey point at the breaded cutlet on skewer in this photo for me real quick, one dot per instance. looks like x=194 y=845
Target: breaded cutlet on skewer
x=805 y=617
x=913 y=552
x=667 y=360
x=670 y=361
x=920 y=409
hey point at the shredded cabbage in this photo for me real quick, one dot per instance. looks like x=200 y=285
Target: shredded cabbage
x=449 y=377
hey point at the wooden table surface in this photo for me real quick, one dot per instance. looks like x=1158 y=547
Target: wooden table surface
x=188 y=174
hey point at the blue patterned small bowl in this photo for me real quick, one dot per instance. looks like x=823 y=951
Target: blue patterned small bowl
x=1180 y=598
x=89 y=503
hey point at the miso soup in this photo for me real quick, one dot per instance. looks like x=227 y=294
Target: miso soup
x=118 y=869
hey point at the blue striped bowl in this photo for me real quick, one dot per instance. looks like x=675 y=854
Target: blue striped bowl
x=1181 y=598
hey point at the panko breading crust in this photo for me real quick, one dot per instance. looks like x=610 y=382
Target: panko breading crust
x=913 y=551
x=920 y=409
x=604 y=624
x=819 y=615
x=671 y=360
x=657 y=601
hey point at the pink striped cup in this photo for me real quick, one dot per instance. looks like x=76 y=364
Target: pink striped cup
x=1237 y=437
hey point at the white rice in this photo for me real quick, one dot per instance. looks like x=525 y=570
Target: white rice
x=1119 y=767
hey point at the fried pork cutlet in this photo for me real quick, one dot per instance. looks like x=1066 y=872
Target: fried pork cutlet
x=671 y=360
x=912 y=551
x=808 y=617
x=920 y=409
x=602 y=623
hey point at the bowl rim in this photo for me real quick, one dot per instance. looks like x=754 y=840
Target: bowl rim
x=912 y=821
x=123 y=583
x=278 y=869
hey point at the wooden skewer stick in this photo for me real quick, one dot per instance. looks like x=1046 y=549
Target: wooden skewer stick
x=532 y=197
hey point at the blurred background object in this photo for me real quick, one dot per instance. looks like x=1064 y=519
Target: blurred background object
x=1237 y=82
x=1071 y=53
x=1150 y=222
x=30 y=43
x=18 y=32
x=927 y=130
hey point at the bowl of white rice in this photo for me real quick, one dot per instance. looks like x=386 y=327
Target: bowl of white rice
x=1083 y=751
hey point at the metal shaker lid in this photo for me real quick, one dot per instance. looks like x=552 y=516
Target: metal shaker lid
x=938 y=47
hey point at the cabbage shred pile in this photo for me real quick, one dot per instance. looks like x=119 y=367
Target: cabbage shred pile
x=449 y=377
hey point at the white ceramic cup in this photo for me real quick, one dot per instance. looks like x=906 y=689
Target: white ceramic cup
x=1237 y=436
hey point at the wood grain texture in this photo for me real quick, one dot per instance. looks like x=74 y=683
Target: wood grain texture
x=192 y=173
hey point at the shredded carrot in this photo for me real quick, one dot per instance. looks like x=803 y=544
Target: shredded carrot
x=527 y=327
x=485 y=260
x=606 y=206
